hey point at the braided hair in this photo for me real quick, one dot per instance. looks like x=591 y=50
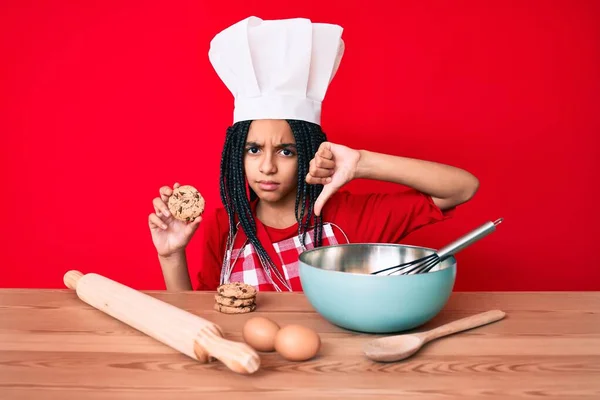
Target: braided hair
x=236 y=195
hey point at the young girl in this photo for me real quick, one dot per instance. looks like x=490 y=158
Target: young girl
x=280 y=176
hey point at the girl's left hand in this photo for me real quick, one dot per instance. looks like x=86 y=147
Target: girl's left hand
x=333 y=166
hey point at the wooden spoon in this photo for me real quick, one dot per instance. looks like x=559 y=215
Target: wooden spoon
x=394 y=348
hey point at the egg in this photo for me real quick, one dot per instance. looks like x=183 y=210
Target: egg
x=259 y=333
x=297 y=343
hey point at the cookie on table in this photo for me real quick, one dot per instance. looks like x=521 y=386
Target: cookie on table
x=234 y=310
x=186 y=203
x=237 y=290
x=233 y=302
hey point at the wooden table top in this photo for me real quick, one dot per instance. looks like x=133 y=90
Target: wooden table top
x=53 y=345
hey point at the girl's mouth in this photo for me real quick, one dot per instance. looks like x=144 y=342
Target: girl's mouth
x=268 y=186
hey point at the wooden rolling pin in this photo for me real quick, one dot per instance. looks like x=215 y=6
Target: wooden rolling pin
x=181 y=330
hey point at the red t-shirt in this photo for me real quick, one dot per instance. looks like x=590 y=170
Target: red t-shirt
x=364 y=218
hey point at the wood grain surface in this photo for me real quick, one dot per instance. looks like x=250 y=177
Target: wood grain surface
x=54 y=346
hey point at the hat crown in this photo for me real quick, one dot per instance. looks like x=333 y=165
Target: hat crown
x=277 y=69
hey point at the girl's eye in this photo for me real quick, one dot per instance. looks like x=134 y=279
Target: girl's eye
x=287 y=153
x=252 y=150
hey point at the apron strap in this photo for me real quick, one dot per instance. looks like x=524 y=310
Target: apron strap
x=277 y=277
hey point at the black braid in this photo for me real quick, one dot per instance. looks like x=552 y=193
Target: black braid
x=308 y=138
x=236 y=196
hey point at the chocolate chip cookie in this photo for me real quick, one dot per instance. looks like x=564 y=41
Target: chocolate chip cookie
x=186 y=203
x=237 y=290
x=234 y=310
x=233 y=302
x=235 y=298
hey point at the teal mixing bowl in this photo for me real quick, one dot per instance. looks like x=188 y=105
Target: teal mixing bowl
x=337 y=282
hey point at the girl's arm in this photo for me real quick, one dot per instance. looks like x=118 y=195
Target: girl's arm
x=335 y=165
x=448 y=186
x=170 y=237
x=175 y=271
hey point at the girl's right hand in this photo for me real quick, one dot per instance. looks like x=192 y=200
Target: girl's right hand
x=169 y=234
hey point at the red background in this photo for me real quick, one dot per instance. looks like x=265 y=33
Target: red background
x=103 y=103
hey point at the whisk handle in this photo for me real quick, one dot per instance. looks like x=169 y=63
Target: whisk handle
x=468 y=239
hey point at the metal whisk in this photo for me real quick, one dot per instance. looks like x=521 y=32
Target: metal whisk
x=425 y=264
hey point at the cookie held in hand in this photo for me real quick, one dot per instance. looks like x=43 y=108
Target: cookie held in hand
x=186 y=203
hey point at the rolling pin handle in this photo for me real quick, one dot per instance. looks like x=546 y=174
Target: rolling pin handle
x=237 y=356
x=71 y=278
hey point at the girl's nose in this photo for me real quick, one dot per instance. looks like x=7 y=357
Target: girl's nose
x=267 y=166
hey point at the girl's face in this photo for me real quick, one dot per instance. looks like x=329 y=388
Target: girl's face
x=271 y=161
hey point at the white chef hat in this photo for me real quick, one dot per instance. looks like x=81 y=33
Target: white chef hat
x=277 y=69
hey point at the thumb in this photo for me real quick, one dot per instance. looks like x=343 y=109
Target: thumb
x=192 y=226
x=326 y=193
